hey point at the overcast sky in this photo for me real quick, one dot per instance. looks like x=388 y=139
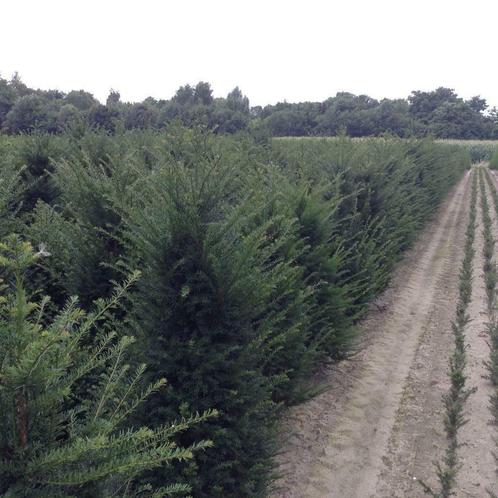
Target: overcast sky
x=273 y=49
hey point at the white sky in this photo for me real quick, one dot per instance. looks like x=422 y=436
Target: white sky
x=273 y=50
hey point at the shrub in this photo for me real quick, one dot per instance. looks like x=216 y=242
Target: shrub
x=258 y=257
x=53 y=444
x=493 y=163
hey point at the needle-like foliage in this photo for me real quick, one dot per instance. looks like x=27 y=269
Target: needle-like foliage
x=258 y=258
x=51 y=443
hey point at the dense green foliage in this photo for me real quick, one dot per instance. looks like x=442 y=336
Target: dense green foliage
x=479 y=150
x=52 y=441
x=482 y=151
x=440 y=113
x=493 y=162
x=256 y=261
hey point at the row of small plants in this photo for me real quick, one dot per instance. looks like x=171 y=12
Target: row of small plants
x=492 y=329
x=455 y=399
x=256 y=261
x=492 y=188
x=490 y=274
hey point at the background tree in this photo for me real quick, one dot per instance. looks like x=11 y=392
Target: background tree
x=203 y=94
x=184 y=95
x=7 y=99
x=27 y=114
x=423 y=104
x=19 y=87
x=457 y=120
x=236 y=101
x=113 y=98
x=477 y=104
x=422 y=114
x=102 y=117
x=141 y=116
x=67 y=116
x=80 y=99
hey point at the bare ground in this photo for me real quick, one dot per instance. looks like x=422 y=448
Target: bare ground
x=478 y=471
x=380 y=423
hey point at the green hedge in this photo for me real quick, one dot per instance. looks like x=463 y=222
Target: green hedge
x=493 y=163
x=257 y=261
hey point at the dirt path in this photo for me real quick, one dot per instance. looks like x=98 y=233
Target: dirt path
x=418 y=438
x=476 y=453
x=381 y=423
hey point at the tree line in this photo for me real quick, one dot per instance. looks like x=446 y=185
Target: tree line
x=440 y=113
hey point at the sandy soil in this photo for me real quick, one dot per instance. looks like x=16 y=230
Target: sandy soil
x=478 y=466
x=380 y=423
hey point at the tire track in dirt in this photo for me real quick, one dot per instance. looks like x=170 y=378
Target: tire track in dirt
x=418 y=438
x=338 y=443
x=476 y=437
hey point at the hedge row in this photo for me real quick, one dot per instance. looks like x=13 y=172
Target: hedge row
x=256 y=262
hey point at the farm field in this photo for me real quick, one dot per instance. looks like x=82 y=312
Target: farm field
x=479 y=150
x=253 y=317
x=248 y=249
x=382 y=428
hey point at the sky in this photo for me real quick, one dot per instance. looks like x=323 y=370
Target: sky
x=274 y=50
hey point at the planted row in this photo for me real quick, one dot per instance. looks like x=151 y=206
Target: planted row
x=256 y=262
x=490 y=274
x=492 y=329
x=455 y=399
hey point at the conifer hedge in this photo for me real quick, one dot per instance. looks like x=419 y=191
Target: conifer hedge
x=257 y=259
